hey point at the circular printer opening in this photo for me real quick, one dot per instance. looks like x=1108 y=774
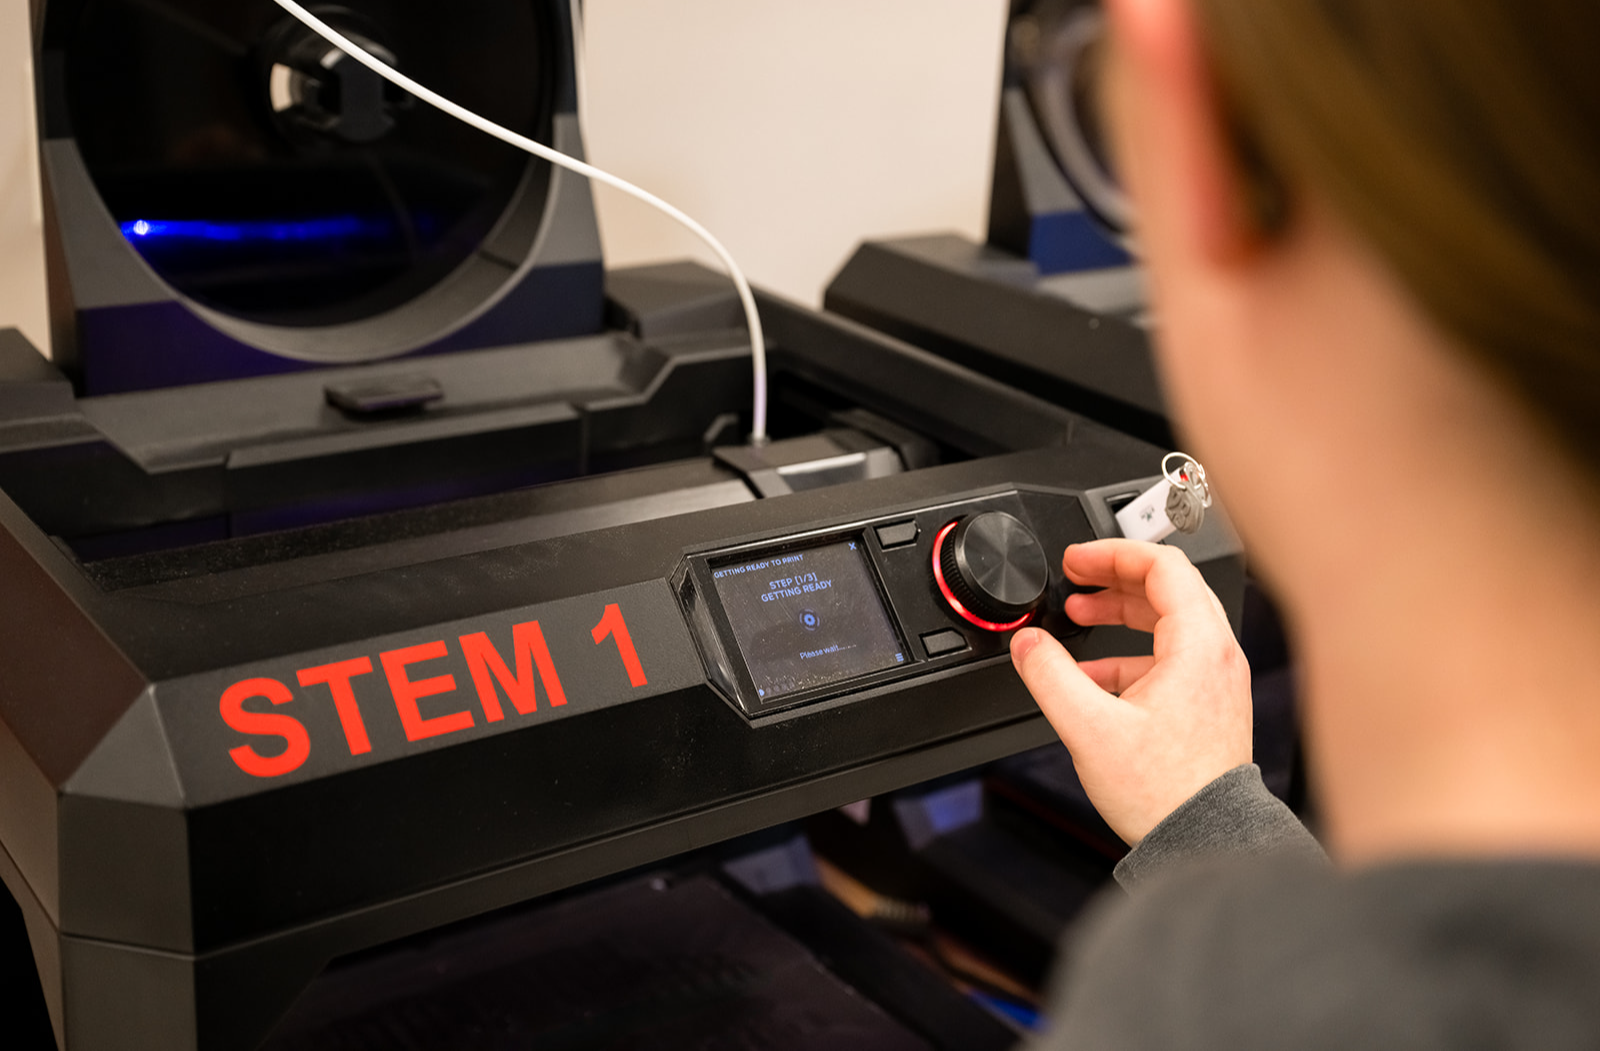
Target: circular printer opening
x=279 y=187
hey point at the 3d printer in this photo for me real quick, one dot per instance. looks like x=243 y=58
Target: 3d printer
x=1052 y=301
x=371 y=558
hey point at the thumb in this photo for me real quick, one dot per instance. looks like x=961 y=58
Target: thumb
x=1065 y=693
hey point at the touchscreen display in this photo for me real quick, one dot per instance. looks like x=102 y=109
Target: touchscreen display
x=807 y=618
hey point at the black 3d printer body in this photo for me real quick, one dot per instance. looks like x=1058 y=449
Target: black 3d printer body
x=319 y=633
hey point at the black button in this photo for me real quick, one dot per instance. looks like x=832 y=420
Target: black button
x=897 y=534
x=368 y=397
x=938 y=643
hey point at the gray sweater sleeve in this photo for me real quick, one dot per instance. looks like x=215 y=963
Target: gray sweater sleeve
x=1233 y=815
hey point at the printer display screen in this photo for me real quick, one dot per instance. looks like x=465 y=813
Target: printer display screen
x=808 y=618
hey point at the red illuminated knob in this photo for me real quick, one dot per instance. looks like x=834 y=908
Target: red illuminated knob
x=990 y=569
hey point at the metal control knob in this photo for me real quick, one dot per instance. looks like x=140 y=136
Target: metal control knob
x=990 y=569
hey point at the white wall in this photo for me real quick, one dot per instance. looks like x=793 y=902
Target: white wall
x=21 y=235
x=791 y=128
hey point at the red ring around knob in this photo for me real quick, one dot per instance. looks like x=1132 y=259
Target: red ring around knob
x=949 y=596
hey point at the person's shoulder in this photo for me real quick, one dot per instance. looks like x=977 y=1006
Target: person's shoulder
x=1284 y=954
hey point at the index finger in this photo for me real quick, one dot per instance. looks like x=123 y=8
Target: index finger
x=1162 y=574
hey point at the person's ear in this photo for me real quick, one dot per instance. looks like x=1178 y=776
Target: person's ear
x=1175 y=146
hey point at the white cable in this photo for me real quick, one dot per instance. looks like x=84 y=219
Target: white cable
x=758 y=347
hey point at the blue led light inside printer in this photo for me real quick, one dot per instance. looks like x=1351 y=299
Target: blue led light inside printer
x=331 y=228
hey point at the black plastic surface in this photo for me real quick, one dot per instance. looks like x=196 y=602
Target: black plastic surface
x=951 y=297
x=651 y=964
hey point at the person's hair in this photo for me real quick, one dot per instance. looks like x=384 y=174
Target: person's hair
x=1462 y=139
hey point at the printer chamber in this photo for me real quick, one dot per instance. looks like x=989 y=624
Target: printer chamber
x=231 y=196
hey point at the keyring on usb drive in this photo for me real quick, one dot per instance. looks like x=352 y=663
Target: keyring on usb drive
x=1175 y=504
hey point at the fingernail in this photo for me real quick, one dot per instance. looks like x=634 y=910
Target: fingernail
x=1021 y=643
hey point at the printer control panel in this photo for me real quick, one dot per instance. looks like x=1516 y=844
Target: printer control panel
x=792 y=619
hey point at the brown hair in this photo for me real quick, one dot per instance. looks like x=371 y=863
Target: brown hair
x=1462 y=138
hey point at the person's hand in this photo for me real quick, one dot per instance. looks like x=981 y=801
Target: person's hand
x=1145 y=733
